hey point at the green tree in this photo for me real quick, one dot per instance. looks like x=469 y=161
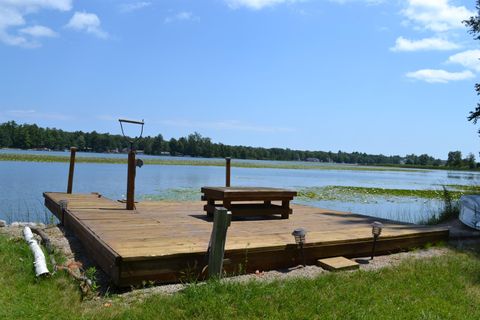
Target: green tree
x=454 y=159
x=80 y=142
x=474 y=24
x=470 y=161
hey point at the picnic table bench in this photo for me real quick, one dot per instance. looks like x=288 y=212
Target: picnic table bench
x=248 y=201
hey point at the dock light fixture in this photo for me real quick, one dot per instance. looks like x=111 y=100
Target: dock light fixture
x=299 y=235
x=376 y=231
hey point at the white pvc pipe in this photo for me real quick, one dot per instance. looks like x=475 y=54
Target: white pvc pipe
x=40 y=263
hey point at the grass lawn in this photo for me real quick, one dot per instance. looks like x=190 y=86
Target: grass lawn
x=445 y=287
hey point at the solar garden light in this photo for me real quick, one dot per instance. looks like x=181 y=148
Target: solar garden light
x=376 y=231
x=299 y=235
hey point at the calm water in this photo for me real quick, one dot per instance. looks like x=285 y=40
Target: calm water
x=22 y=185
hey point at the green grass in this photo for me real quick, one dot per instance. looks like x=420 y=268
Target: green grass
x=446 y=287
x=214 y=163
x=24 y=297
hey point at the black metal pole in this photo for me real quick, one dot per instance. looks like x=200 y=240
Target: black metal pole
x=302 y=254
x=375 y=237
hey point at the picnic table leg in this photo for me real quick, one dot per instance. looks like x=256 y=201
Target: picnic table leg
x=286 y=209
x=227 y=205
x=210 y=204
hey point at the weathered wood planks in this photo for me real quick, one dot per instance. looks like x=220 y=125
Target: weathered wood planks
x=166 y=241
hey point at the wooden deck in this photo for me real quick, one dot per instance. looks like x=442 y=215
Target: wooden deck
x=167 y=241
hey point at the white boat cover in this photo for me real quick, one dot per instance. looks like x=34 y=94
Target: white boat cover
x=470 y=211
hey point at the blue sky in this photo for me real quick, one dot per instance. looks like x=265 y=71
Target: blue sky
x=391 y=77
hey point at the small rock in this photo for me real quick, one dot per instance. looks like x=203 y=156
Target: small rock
x=15 y=224
x=41 y=225
x=3 y=223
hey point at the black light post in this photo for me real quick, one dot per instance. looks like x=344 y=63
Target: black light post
x=299 y=235
x=376 y=231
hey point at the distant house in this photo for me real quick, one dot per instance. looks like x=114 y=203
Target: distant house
x=312 y=160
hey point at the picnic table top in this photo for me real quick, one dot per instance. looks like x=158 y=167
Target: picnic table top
x=247 y=192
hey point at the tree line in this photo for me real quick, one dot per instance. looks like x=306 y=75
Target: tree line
x=31 y=136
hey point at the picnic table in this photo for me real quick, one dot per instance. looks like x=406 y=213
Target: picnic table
x=248 y=201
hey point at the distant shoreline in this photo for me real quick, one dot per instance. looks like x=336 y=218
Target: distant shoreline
x=213 y=163
x=209 y=163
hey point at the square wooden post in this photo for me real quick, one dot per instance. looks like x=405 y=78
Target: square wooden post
x=71 y=170
x=221 y=222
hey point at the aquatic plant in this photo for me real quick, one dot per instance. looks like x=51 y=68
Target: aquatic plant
x=451 y=209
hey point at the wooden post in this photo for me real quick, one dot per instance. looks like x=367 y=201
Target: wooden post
x=131 y=181
x=285 y=209
x=221 y=222
x=227 y=173
x=73 y=151
x=63 y=207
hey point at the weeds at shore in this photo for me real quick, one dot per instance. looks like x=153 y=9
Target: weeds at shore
x=451 y=209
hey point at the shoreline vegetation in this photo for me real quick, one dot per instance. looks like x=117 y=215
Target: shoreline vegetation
x=33 y=137
x=216 y=162
x=207 y=162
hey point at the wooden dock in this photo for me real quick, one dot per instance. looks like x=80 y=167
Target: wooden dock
x=168 y=241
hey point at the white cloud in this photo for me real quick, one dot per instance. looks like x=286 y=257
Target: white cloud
x=439 y=76
x=88 y=22
x=256 y=4
x=13 y=15
x=38 y=31
x=436 y=15
x=134 y=6
x=402 y=44
x=182 y=16
x=469 y=59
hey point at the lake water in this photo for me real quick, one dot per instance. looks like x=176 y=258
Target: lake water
x=22 y=185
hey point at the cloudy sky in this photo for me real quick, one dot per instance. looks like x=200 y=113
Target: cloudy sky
x=391 y=77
